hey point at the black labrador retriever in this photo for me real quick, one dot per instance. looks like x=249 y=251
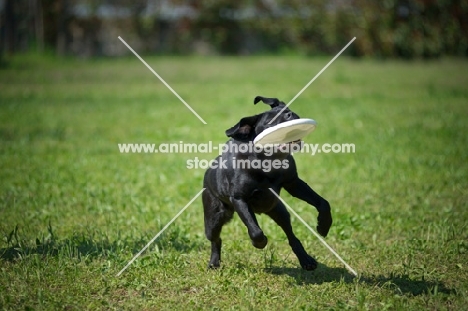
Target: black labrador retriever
x=231 y=187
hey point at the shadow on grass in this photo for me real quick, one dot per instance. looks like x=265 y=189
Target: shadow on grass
x=322 y=274
x=75 y=247
x=399 y=284
x=91 y=245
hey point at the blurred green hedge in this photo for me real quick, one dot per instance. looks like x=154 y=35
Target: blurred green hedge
x=388 y=28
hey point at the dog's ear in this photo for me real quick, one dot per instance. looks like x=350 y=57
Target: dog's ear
x=273 y=102
x=243 y=129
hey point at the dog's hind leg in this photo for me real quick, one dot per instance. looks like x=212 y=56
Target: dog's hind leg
x=281 y=216
x=216 y=215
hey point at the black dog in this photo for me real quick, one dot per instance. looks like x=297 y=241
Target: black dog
x=245 y=190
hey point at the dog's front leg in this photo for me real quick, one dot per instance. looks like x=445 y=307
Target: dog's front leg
x=259 y=240
x=299 y=189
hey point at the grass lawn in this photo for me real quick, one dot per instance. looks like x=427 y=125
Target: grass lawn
x=74 y=210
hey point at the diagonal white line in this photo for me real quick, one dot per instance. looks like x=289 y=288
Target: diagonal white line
x=160 y=232
x=310 y=82
x=315 y=233
x=162 y=80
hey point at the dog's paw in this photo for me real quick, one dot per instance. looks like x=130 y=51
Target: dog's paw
x=214 y=261
x=308 y=263
x=213 y=265
x=324 y=222
x=322 y=231
x=260 y=244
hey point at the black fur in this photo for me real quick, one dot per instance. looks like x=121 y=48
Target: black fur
x=246 y=190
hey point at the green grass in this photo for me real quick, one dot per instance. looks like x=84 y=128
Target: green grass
x=74 y=210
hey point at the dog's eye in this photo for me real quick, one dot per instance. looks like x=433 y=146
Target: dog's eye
x=288 y=115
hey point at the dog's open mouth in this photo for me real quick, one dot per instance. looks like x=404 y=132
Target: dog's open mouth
x=286 y=134
x=293 y=146
x=298 y=141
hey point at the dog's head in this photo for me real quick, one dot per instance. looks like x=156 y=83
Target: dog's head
x=249 y=127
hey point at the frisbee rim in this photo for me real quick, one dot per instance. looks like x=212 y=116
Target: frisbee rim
x=284 y=125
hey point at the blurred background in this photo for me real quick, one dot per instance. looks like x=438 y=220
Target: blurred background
x=74 y=210
x=384 y=29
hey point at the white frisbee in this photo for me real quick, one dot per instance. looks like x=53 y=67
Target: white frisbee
x=286 y=132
